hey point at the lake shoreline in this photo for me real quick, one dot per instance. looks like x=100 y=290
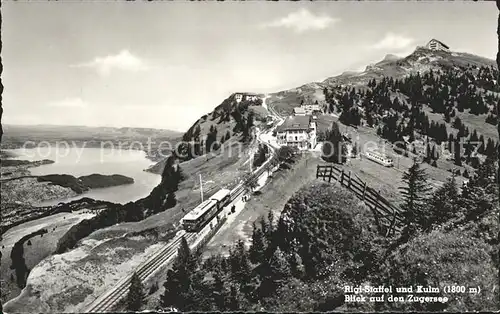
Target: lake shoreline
x=151 y=154
x=31 y=177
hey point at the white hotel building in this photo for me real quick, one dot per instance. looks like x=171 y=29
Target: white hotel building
x=246 y=96
x=435 y=44
x=297 y=131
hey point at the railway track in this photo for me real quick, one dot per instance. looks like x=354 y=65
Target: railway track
x=145 y=270
x=166 y=254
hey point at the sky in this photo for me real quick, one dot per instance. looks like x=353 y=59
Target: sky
x=164 y=64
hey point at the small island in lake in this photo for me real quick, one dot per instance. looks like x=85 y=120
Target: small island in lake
x=95 y=181
x=84 y=183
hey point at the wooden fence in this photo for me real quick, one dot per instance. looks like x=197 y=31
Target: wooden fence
x=389 y=218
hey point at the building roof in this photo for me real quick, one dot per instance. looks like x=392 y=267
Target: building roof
x=295 y=123
x=299 y=110
x=247 y=94
x=433 y=39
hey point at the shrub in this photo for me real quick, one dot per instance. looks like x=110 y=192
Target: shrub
x=154 y=288
x=444 y=258
x=331 y=231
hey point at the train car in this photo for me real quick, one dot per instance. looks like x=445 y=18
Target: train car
x=221 y=197
x=203 y=213
x=379 y=158
x=200 y=215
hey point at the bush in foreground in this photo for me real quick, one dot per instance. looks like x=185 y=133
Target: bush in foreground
x=439 y=259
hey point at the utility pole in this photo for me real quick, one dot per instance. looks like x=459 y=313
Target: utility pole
x=201 y=188
x=250 y=161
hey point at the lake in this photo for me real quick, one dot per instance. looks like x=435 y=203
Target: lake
x=79 y=161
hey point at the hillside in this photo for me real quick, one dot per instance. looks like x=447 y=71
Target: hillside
x=229 y=119
x=232 y=121
x=421 y=60
x=325 y=239
x=433 y=104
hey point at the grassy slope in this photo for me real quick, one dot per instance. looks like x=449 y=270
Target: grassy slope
x=274 y=196
x=41 y=246
x=387 y=180
x=112 y=252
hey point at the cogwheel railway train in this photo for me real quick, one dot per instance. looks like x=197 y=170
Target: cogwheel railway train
x=380 y=158
x=196 y=219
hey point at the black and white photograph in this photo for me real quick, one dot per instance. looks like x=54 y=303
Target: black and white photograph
x=249 y=156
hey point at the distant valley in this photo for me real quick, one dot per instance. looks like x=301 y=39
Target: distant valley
x=17 y=136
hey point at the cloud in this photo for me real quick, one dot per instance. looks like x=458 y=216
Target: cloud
x=303 y=20
x=124 y=60
x=69 y=103
x=393 y=41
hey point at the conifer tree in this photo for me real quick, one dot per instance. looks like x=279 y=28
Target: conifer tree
x=296 y=266
x=179 y=278
x=171 y=200
x=279 y=267
x=354 y=151
x=274 y=272
x=135 y=296
x=180 y=176
x=219 y=292
x=257 y=248
x=233 y=303
x=458 y=151
x=481 y=193
x=415 y=194
x=241 y=268
x=481 y=144
x=474 y=137
x=442 y=205
x=457 y=123
x=196 y=297
x=271 y=227
x=264 y=226
x=334 y=150
x=490 y=148
x=428 y=155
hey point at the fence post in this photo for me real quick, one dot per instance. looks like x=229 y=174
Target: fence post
x=377 y=222
x=378 y=198
x=364 y=191
x=392 y=225
x=342 y=177
x=349 y=184
x=330 y=175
